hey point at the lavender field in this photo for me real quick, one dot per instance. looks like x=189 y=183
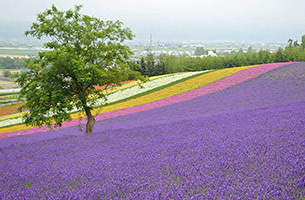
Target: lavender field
x=244 y=142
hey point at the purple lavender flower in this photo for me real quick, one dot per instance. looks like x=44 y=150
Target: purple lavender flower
x=245 y=142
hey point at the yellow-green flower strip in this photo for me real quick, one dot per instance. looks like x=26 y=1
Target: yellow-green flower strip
x=107 y=92
x=176 y=89
x=134 y=83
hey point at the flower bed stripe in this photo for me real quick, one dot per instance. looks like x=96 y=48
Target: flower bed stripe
x=147 y=98
x=7 y=112
x=11 y=116
x=120 y=95
x=225 y=82
x=147 y=87
x=13 y=108
x=204 y=79
x=173 y=90
x=167 y=92
x=9 y=109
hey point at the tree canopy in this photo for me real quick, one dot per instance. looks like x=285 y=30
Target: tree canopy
x=84 y=52
x=12 y=63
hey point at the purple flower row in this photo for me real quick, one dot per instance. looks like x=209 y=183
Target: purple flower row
x=244 y=142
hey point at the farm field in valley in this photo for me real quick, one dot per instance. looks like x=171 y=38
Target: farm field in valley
x=225 y=135
x=17 y=52
x=7 y=84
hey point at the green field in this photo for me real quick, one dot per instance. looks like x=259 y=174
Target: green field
x=11 y=70
x=18 y=52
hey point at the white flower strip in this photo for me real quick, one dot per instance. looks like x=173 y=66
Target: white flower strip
x=11 y=122
x=129 y=92
x=123 y=94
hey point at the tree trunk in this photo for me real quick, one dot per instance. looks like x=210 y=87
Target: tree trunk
x=91 y=120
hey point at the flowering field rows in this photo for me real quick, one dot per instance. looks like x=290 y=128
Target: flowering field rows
x=9 y=109
x=150 y=100
x=241 y=137
x=187 y=85
x=113 y=94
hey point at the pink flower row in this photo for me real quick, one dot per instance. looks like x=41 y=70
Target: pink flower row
x=229 y=81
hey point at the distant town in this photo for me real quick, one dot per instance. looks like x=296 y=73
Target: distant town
x=200 y=49
x=15 y=48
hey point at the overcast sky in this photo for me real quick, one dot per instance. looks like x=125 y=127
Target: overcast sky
x=249 y=20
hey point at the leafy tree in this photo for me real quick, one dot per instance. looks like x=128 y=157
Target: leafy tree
x=85 y=52
x=290 y=43
x=303 y=42
x=14 y=75
x=135 y=67
x=12 y=63
x=7 y=73
x=199 y=51
x=150 y=65
x=160 y=66
x=7 y=63
x=143 y=66
x=279 y=56
x=296 y=44
x=250 y=49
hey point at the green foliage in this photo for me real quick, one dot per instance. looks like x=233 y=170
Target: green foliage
x=149 y=66
x=303 y=42
x=84 y=52
x=12 y=63
x=7 y=73
x=2 y=94
x=250 y=49
x=200 y=51
x=290 y=43
x=279 y=56
x=14 y=75
x=171 y=64
x=150 y=59
x=296 y=44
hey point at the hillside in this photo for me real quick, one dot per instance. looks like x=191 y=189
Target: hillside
x=229 y=134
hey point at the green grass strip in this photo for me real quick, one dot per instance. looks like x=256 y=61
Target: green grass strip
x=8 y=93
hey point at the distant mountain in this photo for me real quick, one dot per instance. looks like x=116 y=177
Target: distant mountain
x=175 y=31
x=14 y=30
